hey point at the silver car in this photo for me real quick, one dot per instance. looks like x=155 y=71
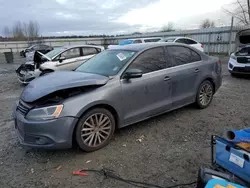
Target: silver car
x=116 y=88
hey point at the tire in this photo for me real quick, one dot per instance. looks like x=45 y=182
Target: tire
x=93 y=138
x=204 y=94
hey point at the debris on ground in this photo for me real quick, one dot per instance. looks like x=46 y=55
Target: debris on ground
x=32 y=170
x=140 y=139
x=59 y=167
x=88 y=161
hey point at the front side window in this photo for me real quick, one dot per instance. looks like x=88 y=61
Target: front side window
x=167 y=40
x=152 y=40
x=107 y=63
x=149 y=61
x=182 y=55
x=71 y=53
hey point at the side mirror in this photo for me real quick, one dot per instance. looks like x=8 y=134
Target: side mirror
x=61 y=59
x=132 y=73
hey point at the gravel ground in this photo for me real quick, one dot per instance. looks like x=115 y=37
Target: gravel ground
x=173 y=147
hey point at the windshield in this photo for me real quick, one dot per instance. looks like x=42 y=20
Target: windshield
x=107 y=63
x=167 y=40
x=54 y=52
x=126 y=42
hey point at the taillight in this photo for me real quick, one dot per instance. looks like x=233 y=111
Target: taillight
x=202 y=45
x=219 y=62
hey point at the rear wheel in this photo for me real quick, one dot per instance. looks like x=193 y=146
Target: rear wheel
x=95 y=129
x=204 y=94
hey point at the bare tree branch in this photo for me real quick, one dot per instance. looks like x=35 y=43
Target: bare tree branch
x=242 y=9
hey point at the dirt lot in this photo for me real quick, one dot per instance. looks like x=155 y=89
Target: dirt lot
x=174 y=146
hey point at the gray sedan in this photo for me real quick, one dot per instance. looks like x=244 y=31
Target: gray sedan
x=116 y=88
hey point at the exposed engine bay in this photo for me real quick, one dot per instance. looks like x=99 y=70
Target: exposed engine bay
x=60 y=95
x=30 y=70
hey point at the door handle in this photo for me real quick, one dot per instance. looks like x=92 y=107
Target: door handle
x=167 y=78
x=197 y=70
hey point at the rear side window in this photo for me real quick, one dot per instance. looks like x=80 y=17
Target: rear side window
x=189 y=41
x=150 y=60
x=89 y=51
x=137 y=41
x=71 y=53
x=182 y=55
x=183 y=41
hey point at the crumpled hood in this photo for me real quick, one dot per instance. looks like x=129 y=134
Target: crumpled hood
x=52 y=82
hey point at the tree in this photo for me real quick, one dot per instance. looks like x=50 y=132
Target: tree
x=17 y=31
x=6 y=31
x=240 y=10
x=33 y=30
x=207 y=23
x=168 y=27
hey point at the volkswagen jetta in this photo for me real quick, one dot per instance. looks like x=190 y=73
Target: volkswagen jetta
x=116 y=88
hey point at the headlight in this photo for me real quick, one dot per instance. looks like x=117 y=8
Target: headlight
x=45 y=113
x=233 y=57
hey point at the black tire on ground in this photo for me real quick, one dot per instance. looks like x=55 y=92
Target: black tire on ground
x=83 y=141
x=204 y=94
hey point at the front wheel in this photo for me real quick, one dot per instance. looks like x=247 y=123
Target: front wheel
x=95 y=129
x=204 y=94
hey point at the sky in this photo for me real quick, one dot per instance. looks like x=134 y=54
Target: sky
x=85 y=17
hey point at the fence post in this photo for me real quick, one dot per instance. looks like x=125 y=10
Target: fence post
x=209 y=38
x=230 y=36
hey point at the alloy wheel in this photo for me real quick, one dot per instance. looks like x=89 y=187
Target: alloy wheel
x=206 y=94
x=96 y=129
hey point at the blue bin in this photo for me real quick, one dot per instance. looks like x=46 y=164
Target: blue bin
x=212 y=183
x=233 y=159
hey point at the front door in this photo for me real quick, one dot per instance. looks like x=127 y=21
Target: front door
x=185 y=74
x=151 y=94
x=72 y=58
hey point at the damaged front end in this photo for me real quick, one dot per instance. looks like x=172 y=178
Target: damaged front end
x=30 y=70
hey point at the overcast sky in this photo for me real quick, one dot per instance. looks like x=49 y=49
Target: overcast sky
x=84 y=17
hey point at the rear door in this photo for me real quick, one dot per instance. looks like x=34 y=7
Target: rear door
x=72 y=56
x=185 y=74
x=150 y=94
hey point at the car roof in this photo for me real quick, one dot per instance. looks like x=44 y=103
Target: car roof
x=143 y=46
x=84 y=45
x=145 y=38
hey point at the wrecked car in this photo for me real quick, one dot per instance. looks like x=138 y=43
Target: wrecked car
x=30 y=51
x=115 y=88
x=239 y=62
x=61 y=58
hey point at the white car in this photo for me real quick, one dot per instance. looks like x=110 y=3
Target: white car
x=239 y=62
x=62 y=58
x=136 y=41
x=184 y=40
x=68 y=57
